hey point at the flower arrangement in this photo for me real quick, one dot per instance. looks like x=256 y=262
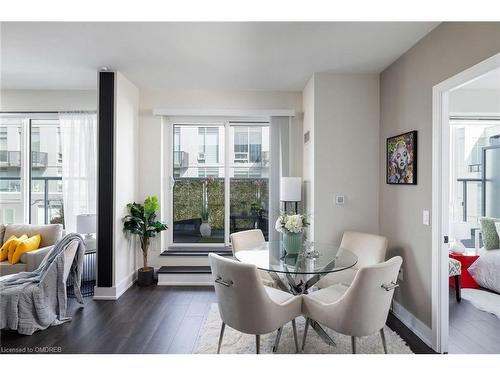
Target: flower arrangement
x=287 y=223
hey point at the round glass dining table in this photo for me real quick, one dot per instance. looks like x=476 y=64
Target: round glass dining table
x=301 y=270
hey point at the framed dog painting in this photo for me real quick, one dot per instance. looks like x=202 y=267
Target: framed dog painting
x=402 y=159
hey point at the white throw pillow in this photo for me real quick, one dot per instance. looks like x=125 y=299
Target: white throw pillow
x=497 y=227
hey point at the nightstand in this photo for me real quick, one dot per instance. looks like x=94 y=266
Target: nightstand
x=466 y=259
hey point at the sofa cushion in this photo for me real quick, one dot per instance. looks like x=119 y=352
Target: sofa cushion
x=2 y=232
x=50 y=233
x=25 y=246
x=13 y=245
x=8 y=269
x=4 y=250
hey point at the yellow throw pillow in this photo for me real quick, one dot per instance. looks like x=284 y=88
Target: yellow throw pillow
x=4 y=250
x=13 y=246
x=25 y=246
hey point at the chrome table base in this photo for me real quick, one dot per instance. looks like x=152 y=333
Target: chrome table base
x=296 y=287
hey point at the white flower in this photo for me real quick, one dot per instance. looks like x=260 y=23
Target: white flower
x=279 y=224
x=290 y=223
x=294 y=223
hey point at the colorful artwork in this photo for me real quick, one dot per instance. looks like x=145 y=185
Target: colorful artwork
x=402 y=159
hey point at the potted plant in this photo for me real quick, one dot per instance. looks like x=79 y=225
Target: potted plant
x=205 y=229
x=292 y=227
x=141 y=220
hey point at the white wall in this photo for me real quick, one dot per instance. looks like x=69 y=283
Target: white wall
x=48 y=100
x=125 y=179
x=345 y=131
x=478 y=101
x=151 y=130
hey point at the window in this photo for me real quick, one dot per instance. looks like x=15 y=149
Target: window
x=38 y=201
x=219 y=190
x=8 y=216
x=198 y=192
x=469 y=139
x=12 y=199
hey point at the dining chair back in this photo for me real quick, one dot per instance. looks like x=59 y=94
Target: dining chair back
x=247 y=240
x=245 y=304
x=363 y=307
x=369 y=249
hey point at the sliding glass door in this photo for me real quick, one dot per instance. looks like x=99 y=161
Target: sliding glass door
x=220 y=175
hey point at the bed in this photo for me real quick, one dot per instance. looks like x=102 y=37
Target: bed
x=486 y=269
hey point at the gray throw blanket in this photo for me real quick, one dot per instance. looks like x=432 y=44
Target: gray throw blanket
x=31 y=301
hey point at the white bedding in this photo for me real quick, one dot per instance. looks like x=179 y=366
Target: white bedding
x=486 y=269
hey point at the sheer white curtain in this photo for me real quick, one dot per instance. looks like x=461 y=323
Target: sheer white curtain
x=79 y=165
x=279 y=166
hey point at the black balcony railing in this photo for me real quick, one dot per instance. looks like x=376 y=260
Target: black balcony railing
x=46 y=201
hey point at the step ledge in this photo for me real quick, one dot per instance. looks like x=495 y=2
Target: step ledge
x=184 y=270
x=194 y=253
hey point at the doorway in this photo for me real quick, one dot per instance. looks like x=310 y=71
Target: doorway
x=458 y=186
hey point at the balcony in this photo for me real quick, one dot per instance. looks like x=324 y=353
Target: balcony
x=12 y=159
x=39 y=159
x=181 y=159
x=46 y=194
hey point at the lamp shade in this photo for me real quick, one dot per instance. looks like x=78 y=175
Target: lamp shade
x=291 y=189
x=460 y=230
x=86 y=223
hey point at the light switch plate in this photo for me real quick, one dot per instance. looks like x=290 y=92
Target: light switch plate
x=425 y=217
x=339 y=199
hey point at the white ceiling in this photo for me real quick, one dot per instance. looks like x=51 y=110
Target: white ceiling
x=241 y=56
x=489 y=80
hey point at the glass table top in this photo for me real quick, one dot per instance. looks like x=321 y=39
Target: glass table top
x=315 y=258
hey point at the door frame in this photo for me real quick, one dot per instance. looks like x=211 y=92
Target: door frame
x=440 y=194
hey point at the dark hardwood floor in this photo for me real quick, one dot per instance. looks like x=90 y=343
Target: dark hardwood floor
x=472 y=331
x=158 y=319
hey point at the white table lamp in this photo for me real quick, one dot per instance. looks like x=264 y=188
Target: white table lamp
x=86 y=224
x=459 y=231
x=291 y=190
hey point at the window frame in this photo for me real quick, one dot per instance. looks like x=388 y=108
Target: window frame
x=25 y=134
x=169 y=124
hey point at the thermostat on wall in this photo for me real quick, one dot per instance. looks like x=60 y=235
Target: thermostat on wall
x=339 y=199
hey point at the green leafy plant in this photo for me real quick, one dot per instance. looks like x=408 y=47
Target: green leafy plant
x=141 y=220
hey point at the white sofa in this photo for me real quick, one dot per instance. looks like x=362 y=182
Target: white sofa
x=50 y=234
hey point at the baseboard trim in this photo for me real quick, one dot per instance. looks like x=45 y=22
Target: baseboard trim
x=115 y=292
x=421 y=330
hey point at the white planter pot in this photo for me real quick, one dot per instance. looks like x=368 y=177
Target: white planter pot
x=205 y=230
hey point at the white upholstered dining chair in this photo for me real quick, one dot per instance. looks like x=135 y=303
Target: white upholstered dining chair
x=248 y=240
x=369 y=249
x=360 y=309
x=248 y=306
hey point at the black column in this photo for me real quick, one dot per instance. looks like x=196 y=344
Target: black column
x=106 y=119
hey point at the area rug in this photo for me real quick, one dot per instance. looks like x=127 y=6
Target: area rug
x=483 y=300
x=235 y=342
